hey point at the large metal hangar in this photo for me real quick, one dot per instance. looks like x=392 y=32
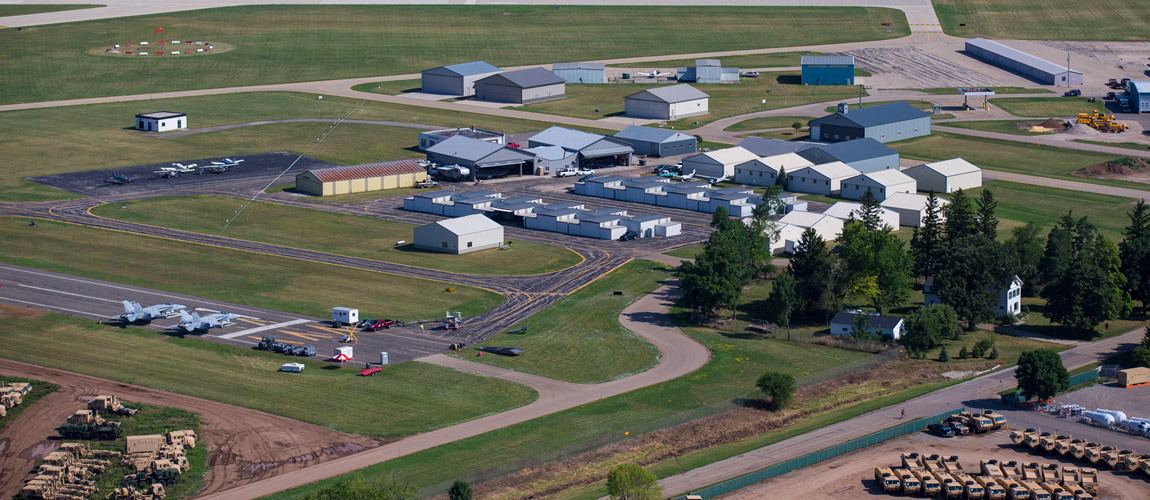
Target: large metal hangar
x=864 y=155
x=884 y=123
x=456 y=79
x=484 y=159
x=1139 y=92
x=707 y=71
x=828 y=70
x=1035 y=68
x=659 y=142
x=667 y=103
x=581 y=72
x=521 y=87
x=593 y=150
x=360 y=178
x=463 y=235
x=433 y=137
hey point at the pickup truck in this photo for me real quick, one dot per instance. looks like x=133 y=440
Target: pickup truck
x=1072 y=93
x=427 y=183
x=567 y=173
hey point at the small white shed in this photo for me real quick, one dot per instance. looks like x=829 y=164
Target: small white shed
x=844 y=209
x=882 y=183
x=461 y=235
x=161 y=121
x=946 y=176
x=719 y=163
x=911 y=207
x=344 y=316
x=825 y=179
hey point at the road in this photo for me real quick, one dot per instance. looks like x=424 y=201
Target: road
x=980 y=392
x=919 y=13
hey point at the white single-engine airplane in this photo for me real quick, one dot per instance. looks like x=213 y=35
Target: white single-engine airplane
x=653 y=74
x=176 y=169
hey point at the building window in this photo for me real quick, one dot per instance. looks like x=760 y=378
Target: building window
x=445 y=244
x=468 y=244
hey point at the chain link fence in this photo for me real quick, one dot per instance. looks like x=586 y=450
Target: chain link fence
x=819 y=456
x=669 y=421
x=1016 y=397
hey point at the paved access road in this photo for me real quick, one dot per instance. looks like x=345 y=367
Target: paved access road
x=980 y=392
x=919 y=13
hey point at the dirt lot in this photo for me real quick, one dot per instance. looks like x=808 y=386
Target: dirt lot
x=852 y=477
x=245 y=445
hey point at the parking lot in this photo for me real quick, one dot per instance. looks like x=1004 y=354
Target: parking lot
x=95 y=183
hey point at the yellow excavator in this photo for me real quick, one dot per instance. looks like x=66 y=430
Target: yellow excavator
x=1101 y=122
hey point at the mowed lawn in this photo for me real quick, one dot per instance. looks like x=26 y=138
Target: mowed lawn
x=279 y=283
x=1049 y=107
x=276 y=44
x=579 y=338
x=23 y=10
x=1015 y=127
x=1019 y=204
x=405 y=398
x=743 y=62
x=99 y=136
x=737 y=362
x=1045 y=19
x=770 y=122
x=781 y=90
x=359 y=236
x=1007 y=156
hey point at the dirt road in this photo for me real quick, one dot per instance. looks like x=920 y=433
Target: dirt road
x=246 y=445
x=851 y=476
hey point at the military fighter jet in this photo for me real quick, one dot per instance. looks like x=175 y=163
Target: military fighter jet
x=193 y=322
x=133 y=312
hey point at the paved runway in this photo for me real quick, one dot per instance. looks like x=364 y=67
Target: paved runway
x=100 y=300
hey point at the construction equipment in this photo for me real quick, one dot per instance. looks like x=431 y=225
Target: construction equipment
x=992 y=489
x=9 y=397
x=1057 y=492
x=1101 y=122
x=972 y=488
x=154 y=492
x=1020 y=437
x=886 y=478
x=453 y=321
x=930 y=485
x=159 y=471
x=950 y=486
x=997 y=420
x=1036 y=492
x=109 y=404
x=86 y=424
x=909 y=483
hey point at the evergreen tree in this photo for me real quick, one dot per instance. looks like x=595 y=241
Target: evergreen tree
x=960 y=216
x=720 y=217
x=1024 y=251
x=870 y=213
x=994 y=353
x=975 y=273
x=1139 y=221
x=1135 y=254
x=459 y=490
x=782 y=301
x=860 y=326
x=813 y=267
x=875 y=266
x=1059 y=252
x=1085 y=285
x=963 y=353
x=1114 y=299
x=781 y=180
x=944 y=355
x=987 y=221
x=926 y=243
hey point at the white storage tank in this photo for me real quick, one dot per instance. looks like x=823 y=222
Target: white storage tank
x=344 y=316
x=1118 y=415
x=1103 y=419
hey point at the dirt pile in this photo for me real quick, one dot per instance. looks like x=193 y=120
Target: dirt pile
x=1082 y=129
x=1053 y=124
x=1120 y=168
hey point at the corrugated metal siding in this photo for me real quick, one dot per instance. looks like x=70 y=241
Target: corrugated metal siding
x=581 y=75
x=368 y=170
x=828 y=75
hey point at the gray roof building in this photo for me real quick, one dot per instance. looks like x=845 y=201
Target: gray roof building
x=671 y=94
x=866 y=153
x=652 y=141
x=456 y=79
x=764 y=146
x=524 y=86
x=578 y=65
x=884 y=123
x=829 y=60
x=481 y=155
x=594 y=150
x=1040 y=70
x=667 y=103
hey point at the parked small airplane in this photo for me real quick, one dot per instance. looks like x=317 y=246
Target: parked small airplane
x=686 y=176
x=654 y=74
x=193 y=322
x=133 y=312
x=121 y=179
x=713 y=180
x=176 y=169
x=228 y=162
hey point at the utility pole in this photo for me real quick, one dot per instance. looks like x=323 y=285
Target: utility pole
x=1067 y=69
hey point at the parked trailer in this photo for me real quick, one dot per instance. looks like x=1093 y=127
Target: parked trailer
x=911 y=461
x=952 y=465
x=1089 y=480
x=1032 y=472
x=1051 y=473
x=1099 y=419
x=1134 y=377
x=1011 y=469
x=933 y=463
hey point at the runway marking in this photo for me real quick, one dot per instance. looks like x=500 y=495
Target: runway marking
x=61 y=292
x=50 y=308
x=305 y=336
x=262 y=329
x=253 y=321
x=327 y=329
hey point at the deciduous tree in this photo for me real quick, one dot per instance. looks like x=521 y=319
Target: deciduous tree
x=459 y=490
x=973 y=278
x=779 y=386
x=926 y=327
x=1040 y=374
x=875 y=265
x=357 y=487
x=782 y=301
x=629 y=481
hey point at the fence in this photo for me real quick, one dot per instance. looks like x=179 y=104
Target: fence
x=819 y=456
x=667 y=422
x=1016 y=397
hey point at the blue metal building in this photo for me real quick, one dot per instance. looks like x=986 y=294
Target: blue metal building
x=581 y=72
x=1139 y=96
x=659 y=142
x=884 y=123
x=828 y=70
x=864 y=155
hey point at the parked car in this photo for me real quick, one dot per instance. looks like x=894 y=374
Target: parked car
x=940 y=430
x=628 y=236
x=1072 y=93
x=959 y=429
x=750 y=74
x=584 y=171
x=514 y=144
x=1110 y=96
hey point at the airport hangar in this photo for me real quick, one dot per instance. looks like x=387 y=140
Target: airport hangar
x=827 y=70
x=521 y=87
x=359 y=178
x=650 y=141
x=462 y=235
x=456 y=79
x=581 y=72
x=1035 y=68
x=666 y=103
x=884 y=123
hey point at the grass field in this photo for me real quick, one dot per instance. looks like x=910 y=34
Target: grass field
x=1137 y=146
x=1007 y=156
x=997 y=90
x=411 y=397
x=343 y=198
x=1049 y=107
x=769 y=122
x=39 y=390
x=1037 y=323
x=22 y=10
x=393 y=87
x=923 y=104
x=1009 y=348
x=155 y=420
x=365 y=237
x=1000 y=126
x=736 y=363
x=248 y=278
x=579 y=339
x=99 y=136
x=729 y=99
x=276 y=44
x=1019 y=204
x=770 y=60
x=688 y=252
x=1040 y=19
